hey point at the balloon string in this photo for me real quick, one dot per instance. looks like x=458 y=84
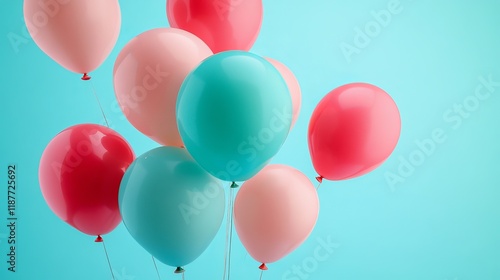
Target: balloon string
x=227 y=242
x=227 y=249
x=99 y=103
x=261 y=273
x=231 y=194
x=156 y=268
x=107 y=257
x=183 y=275
x=319 y=185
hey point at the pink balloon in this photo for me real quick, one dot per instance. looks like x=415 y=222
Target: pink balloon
x=78 y=35
x=293 y=87
x=352 y=131
x=148 y=74
x=222 y=24
x=275 y=211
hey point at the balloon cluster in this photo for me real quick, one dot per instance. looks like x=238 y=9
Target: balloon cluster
x=219 y=112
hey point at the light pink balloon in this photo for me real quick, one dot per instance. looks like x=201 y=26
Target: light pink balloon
x=79 y=35
x=293 y=87
x=148 y=74
x=275 y=211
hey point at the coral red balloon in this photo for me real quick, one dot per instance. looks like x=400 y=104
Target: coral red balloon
x=222 y=24
x=352 y=131
x=80 y=173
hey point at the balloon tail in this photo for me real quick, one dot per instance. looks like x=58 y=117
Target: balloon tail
x=319 y=179
x=86 y=77
x=229 y=232
x=263 y=267
x=100 y=240
x=179 y=269
x=99 y=103
x=156 y=268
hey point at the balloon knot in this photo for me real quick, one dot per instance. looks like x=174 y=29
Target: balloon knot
x=319 y=179
x=179 y=270
x=86 y=77
x=263 y=266
x=99 y=239
x=234 y=185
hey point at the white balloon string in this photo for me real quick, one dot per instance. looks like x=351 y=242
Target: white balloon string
x=99 y=103
x=109 y=263
x=229 y=234
x=156 y=268
x=226 y=247
x=231 y=194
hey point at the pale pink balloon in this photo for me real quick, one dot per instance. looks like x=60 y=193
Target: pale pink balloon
x=293 y=87
x=148 y=74
x=79 y=35
x=275 y=211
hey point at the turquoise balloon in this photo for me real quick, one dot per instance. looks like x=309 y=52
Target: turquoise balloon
x=234 y=112
x=170 y=205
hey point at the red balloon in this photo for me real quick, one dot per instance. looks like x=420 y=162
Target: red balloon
x=222 y=24
x=80 y=173
x=352 y=131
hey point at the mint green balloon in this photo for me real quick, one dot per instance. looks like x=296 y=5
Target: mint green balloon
x=170 y=205
x=234 y=112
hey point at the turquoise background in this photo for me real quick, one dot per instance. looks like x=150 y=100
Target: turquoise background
x=441 y=222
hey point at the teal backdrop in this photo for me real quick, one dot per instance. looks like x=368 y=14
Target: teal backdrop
x=431 y=211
